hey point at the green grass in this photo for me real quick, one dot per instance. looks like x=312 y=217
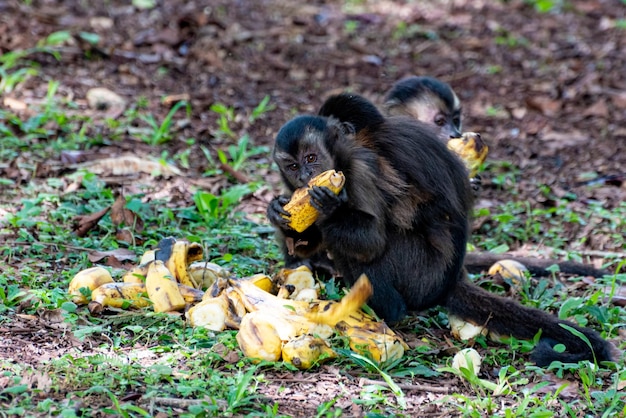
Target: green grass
x=194 y=373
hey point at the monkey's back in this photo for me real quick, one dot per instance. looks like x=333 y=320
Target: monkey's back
x=424 y=261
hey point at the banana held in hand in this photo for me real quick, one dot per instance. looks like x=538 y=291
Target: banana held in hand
x=471 y=149
x=91 y=279
x=162 y=289
x=303 y=214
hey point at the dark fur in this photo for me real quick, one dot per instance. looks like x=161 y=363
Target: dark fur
x=403 y=220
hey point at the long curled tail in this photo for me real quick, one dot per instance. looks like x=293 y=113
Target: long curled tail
x=507 y=317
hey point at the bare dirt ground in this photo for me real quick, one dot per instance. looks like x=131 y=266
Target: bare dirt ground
x=546 y=91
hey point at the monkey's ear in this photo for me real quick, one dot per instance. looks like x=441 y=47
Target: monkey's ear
x=347 y=128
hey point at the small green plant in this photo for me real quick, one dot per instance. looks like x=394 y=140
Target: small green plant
x=350 y=27
x=11 y=75
x=239 y=154
x=260 y=110
x=226 y=115
x=214 y=208
x=372 y=367
x=546 y=6
x=161 y=133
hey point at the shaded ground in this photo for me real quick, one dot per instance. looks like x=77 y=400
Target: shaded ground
x=547 y=91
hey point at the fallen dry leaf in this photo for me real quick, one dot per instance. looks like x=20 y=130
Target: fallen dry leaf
x=87 y=222
x=122 y=216
x=127 y=165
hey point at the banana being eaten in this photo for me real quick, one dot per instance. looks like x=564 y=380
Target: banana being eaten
x=471 y=149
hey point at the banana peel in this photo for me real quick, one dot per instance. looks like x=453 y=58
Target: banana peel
x=162 y=290
x=118 y=295
x=306 y=351
x=270 y=327
x=91 y=279
x=472 y=150
x=303 y=214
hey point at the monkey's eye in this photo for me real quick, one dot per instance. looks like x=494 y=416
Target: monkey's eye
x=292 y=167
x=440 y=120
x=311 y=158
x=456 y=121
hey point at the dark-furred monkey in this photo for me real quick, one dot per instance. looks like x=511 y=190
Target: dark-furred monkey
x=429 y=100
x=403 y=220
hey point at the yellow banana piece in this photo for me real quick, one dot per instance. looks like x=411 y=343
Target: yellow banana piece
x=190 y=294
x=257 y=299
x=118 y=295
x=509 y=269
x=331 y=312
x=471 y=149
x=300 y=278
x=211 y=313
x=90 y=278
x=136 y=274
x=162 y=289
x=182 y=255
x=380 y=347
x=303 y=214
x=206 y=273
x=263 y=282
x=258 y=336
x=147 y=257
x=306 y=351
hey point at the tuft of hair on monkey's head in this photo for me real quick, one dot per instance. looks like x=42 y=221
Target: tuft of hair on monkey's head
x=289 y=136
x=302 y=148
x=353 y=109
x=429 y=100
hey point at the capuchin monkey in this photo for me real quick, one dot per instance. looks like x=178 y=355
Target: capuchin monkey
x=402 y=219
x=429 y=100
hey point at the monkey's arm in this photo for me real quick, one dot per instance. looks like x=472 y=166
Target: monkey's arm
x=345 y=229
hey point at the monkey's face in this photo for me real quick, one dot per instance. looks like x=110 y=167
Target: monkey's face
x=428 y=100
x=300 y=151
x=430 y=108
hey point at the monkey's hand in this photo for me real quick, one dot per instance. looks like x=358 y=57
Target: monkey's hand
x=476 y=183
x=277 y=214
x=326 y=202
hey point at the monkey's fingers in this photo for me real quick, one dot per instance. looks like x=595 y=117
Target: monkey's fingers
x=325 y=201
x=277 y=214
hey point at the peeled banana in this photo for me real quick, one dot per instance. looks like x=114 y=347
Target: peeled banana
x=300 y=278
x=471 y=149
x=91 y=279
x=303 y=214
x=206 y=273
x=211 y=313
x=162 y=289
